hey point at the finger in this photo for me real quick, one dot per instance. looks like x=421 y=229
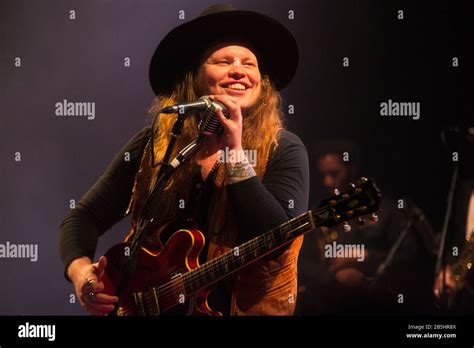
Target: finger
x=101 y=307
x=90 y=309
x=97 y=287
x=224 y=121
x=233 y=107
x=94 y=311
x=94 y=303
x=104 y=298
x=437 y=285
x=89 y=284
x=101 y=264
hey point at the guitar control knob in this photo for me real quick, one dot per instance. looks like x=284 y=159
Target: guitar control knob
x=347 y=227
x=337 y=192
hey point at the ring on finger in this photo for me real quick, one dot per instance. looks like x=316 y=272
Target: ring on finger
x=90 y=296
x=89 y=284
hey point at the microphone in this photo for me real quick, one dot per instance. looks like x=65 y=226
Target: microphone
x=201 y=104
x=209 y=123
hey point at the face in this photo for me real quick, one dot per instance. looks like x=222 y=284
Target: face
x=335 y=175
x=232 y=70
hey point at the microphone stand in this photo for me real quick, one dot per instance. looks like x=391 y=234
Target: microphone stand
x=415 y=216
x=441 y=258
x=388 y=259
x=175 y=133
x=151 y=205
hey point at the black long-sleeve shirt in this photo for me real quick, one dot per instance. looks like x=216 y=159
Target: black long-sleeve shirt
x=258 y=205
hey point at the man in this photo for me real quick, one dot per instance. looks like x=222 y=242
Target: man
x=367 y=281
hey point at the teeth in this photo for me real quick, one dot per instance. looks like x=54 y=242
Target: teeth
x=238 y=86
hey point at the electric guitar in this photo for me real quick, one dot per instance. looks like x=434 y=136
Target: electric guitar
x=172 y=280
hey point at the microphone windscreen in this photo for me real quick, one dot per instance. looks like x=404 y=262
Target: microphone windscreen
x=210 y=123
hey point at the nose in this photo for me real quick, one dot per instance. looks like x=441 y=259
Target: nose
x=236 y=70
x=329 y=182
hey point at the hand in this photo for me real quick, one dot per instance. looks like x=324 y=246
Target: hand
x=350 y=277
x=86 y=277
x=450 y=284
x=339 y=263
x=232 y=136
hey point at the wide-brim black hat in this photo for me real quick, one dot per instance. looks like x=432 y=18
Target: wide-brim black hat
x=182 y=48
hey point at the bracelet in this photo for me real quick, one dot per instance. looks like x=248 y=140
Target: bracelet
x=239 y=171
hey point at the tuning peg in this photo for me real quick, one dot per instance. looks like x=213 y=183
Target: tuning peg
x=347 y=227
x=337 y=192
x=362 y=180
x=374 y=218
x=360 y=222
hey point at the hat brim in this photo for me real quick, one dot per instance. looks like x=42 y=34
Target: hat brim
x=183 y=47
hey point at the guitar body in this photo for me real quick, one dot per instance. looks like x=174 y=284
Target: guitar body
x=154 y=270
x=171 y=281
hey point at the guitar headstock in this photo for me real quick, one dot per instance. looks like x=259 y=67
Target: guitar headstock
x=357 y=202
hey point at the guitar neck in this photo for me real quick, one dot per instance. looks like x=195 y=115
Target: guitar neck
x=233 y=260
x=354 y=203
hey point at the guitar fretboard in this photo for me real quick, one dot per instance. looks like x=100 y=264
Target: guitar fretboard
x=246 y=253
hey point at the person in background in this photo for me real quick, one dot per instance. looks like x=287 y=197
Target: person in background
x=338 y=285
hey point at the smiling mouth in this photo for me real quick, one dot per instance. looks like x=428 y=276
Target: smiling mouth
x=237 y=88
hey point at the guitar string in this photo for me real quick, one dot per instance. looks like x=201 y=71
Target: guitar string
x=166 y=294
x=168 y=291
x=190 y=277
x=170 y=288
x=253 y=244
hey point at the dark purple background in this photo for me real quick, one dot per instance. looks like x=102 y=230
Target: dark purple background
x=82 y=60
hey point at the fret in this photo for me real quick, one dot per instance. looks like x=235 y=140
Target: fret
x=255 y=249
x=156 y=302
x=245 y=253
x=287 y=230
x=226 y=267
x=240 y=255
x=269 y=240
